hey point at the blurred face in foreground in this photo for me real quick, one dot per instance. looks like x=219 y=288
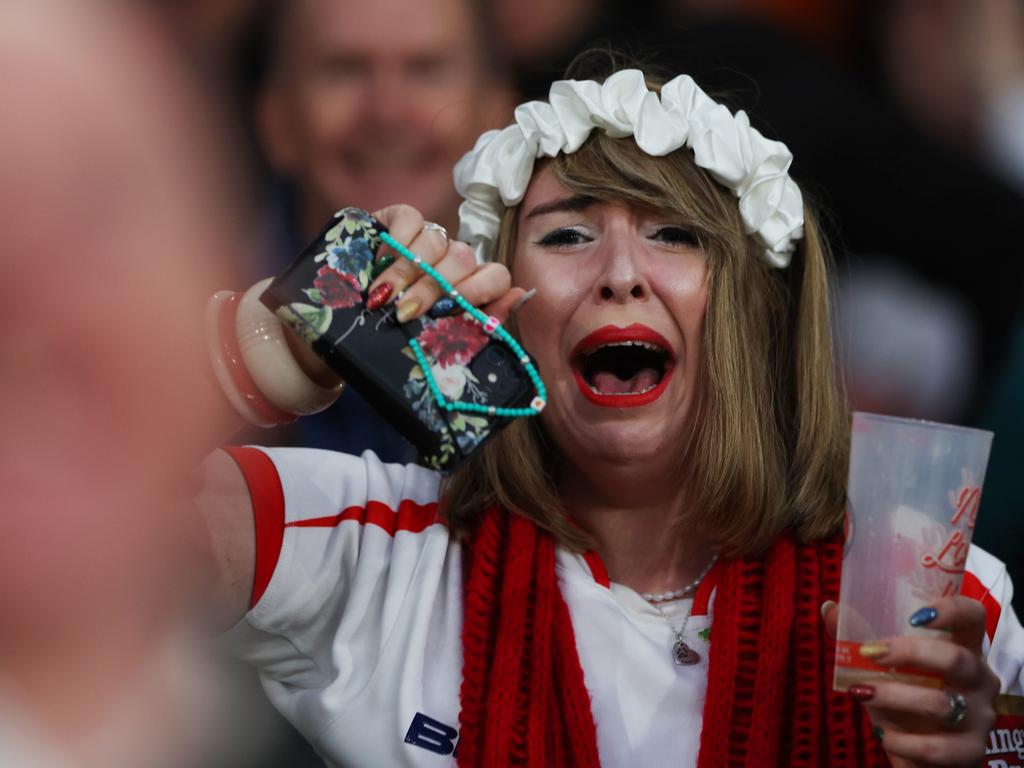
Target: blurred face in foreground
x=373 y=103
x=115 y=224
x=616 y=325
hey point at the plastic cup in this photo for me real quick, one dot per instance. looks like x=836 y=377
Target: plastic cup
x=913 y=498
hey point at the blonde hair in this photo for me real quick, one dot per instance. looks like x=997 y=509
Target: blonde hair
x=769 y=447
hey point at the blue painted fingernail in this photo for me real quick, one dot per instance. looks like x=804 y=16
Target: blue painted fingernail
x=442 y=307
x=922 y=617
x=878 y=733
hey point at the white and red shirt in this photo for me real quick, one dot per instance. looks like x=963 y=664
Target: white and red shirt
x=357 y=628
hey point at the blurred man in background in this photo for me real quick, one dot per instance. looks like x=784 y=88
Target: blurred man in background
x=349 y=110
x=349 y=114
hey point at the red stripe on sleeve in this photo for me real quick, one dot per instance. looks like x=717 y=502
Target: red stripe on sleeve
x=410 y=517
x=972 y=587
x=267 y=513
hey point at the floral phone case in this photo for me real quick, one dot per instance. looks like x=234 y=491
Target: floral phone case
x=322 y=297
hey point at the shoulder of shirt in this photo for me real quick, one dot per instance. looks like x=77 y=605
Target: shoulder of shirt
x=331 y=509
x=988 y=569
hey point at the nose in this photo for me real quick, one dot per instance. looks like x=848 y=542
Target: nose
x=388 y=97
x=622 y=279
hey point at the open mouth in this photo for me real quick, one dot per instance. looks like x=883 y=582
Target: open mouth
x=623 y=367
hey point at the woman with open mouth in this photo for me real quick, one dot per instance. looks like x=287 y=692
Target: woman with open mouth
x=642 y=574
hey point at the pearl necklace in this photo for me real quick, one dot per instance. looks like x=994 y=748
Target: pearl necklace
x=689 y=589
x=682 y=653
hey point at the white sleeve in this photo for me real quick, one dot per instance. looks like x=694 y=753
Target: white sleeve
x=987 y=580
x=325 y=541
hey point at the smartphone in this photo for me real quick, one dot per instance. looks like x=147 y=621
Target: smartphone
x=322 y=296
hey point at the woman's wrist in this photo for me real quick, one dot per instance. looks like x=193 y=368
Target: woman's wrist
x=259 y=372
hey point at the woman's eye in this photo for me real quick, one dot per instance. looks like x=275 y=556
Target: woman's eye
x=563 y=238
x=676 y=236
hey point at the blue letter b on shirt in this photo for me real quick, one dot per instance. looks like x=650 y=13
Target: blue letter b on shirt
x=431 y=734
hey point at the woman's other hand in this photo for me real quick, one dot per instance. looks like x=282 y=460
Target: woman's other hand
x=488 y=286
x=914 y=722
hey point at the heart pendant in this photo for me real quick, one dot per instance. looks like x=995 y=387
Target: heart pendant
x=684 y=655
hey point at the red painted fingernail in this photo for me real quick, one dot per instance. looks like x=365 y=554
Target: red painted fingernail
x=862 y=692
x=378 y=296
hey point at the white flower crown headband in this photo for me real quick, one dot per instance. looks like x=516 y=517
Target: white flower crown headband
x=495 y=174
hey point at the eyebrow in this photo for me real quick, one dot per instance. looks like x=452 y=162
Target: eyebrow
x=573 y=203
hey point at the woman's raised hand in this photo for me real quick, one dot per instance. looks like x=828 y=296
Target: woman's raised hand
x=916 y=724
x=488 y=286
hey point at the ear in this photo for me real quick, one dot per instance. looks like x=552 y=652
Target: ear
x=277 y=130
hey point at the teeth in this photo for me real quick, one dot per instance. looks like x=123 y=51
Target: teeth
x=642 y=344
x=640 y=392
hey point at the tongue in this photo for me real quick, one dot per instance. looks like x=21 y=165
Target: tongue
x=608 y=383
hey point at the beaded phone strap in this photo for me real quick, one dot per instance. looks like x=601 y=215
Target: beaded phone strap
x=492 y=327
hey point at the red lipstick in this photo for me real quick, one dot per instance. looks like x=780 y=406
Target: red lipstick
x=609 y=335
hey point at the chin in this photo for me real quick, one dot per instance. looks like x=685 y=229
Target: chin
x=427 y=187
x=625 y=436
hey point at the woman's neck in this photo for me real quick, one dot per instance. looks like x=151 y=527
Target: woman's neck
x=637 y=529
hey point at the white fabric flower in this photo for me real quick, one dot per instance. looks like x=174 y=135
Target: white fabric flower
x=495 y=174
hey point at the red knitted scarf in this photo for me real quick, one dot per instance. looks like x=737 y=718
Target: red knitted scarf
x=769 y=697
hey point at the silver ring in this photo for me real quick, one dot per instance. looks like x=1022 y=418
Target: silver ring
x=957 y=710
x=430 y=226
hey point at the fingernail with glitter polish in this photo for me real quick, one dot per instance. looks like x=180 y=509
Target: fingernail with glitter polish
x=873 y=650
x=442 y=307
x=862 y=692
x=378 y=296
x=380 y=265
x=523 y=299
x=922 y=617
x=407 y=309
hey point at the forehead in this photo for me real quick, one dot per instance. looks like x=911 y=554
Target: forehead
x=384 y=27
x=544 y=188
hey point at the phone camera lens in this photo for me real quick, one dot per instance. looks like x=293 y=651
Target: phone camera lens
x=495 y=356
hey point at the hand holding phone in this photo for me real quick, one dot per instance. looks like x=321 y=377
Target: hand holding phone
x=324 y=296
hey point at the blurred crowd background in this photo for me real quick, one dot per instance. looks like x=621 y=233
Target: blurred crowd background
x=152 y=152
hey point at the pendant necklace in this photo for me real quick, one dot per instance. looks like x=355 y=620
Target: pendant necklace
x=682 y=654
